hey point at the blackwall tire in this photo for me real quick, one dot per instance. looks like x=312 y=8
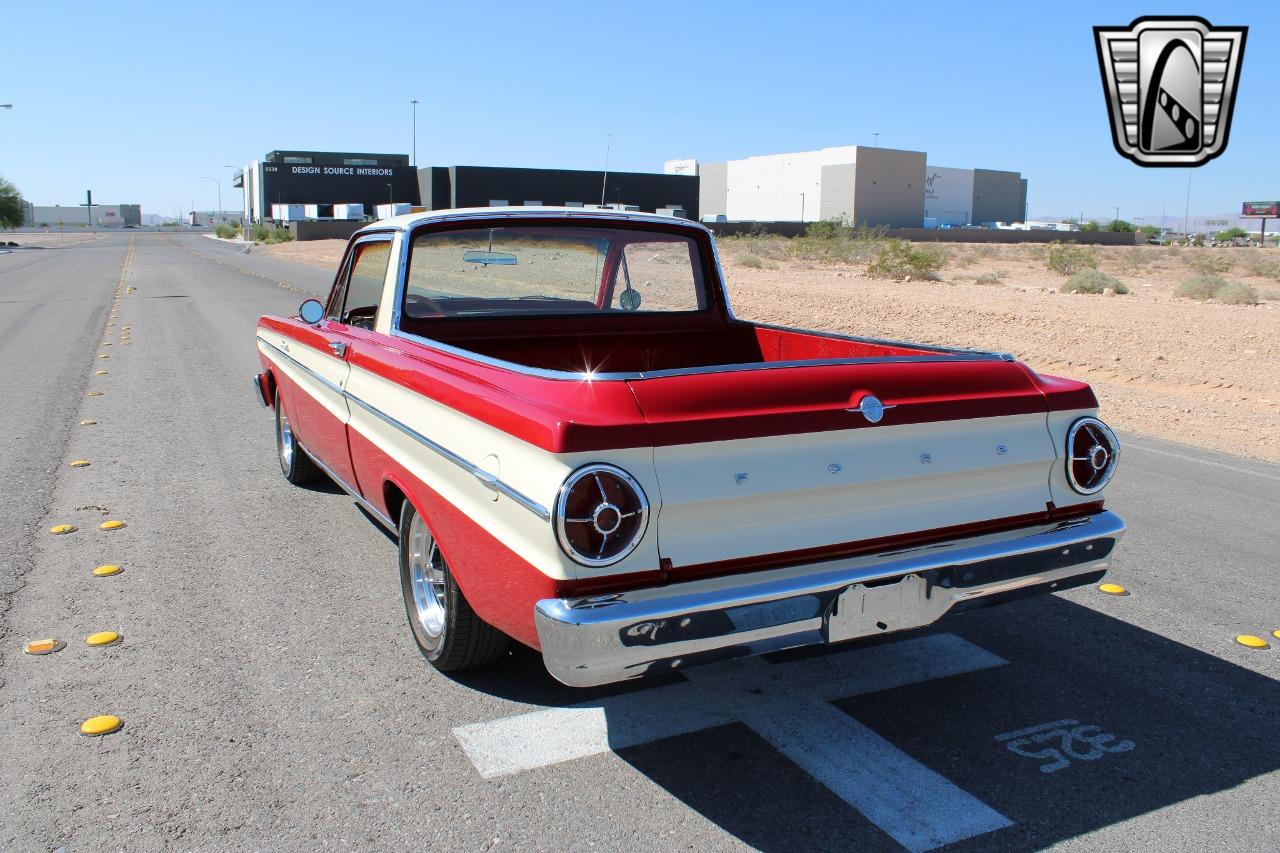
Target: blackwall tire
x=295 y=464
x=448 y=632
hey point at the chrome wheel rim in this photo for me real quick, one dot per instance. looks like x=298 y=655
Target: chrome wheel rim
x=284 y=440
x=426 y=578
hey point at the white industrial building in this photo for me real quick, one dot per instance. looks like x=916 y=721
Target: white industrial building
x=104 y=215
x=859 y=184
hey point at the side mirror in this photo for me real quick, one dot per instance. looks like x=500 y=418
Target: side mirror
x=311 y=311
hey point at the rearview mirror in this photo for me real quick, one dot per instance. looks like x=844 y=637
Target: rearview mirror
x=311 y=311
x=502 y=259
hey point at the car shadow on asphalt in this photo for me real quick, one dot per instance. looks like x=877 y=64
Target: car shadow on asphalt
x=1092 y=721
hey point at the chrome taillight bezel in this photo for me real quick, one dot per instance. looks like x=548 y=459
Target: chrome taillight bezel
x=560 y=519
x=1103 y=467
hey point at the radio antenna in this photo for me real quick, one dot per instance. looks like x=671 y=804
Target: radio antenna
x=604 y=180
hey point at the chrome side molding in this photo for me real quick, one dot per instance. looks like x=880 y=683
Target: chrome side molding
x=488 y=480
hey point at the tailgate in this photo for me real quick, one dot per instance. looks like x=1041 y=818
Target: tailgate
x=768 y=461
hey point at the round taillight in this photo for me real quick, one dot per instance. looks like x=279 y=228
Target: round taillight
x=601 y=515
x=1092 y=453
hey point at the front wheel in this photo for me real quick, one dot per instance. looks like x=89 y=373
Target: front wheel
x=295 y=464
x=447 y=630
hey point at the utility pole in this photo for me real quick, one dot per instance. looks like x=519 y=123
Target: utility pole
x=1117 y=219
x=414 y=160
x=1186 y=212
x=88 y=207
x=391 y=197
x=219 y=183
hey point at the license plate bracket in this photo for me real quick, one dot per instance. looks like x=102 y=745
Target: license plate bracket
x=863 y=611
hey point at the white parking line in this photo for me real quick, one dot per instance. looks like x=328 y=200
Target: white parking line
x=789 y=706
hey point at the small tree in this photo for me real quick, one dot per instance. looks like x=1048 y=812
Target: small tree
x=1121 y=225
x=11 y=206
x=1090 y=226
x=1149 y=231
x=1231 y=234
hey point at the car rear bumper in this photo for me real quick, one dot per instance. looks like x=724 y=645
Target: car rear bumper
x=607 y=638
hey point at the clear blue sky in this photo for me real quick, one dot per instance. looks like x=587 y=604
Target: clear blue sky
x=137 y=101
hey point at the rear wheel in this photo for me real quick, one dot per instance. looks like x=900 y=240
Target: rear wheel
x=295 y=464
x=447 y=630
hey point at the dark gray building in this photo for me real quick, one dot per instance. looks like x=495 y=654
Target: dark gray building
x=326 y=178
x=442 y=187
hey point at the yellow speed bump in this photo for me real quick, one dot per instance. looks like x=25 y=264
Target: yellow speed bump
x=80 y=463
x=107 y=570
x=100 y=373
x=1276 y=634
x=1112 y=589
x=104 y=355
x=94 y=394
x=87 y=423
x=113 y=524
x=104 y=724
x=44 y=647
x=102 y=638
x=1252 y=642
x=60 y=529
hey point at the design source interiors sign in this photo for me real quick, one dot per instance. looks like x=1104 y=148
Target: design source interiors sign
x=1269 y=209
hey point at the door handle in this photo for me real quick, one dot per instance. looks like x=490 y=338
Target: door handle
x=339 y=348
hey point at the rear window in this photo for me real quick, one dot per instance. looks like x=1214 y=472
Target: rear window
x=556 y=269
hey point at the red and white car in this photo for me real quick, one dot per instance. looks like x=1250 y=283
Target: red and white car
x=582 y=449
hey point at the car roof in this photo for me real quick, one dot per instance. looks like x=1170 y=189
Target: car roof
x=407 y=221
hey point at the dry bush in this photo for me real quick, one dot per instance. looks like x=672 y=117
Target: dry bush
x=963 y=259
x=755 y=262
x=1265 y=268
x=1207 y=264
x=898 y=260
x=1217 y=288
x=991 y=278
x=1093 y=281
x=1069 y=259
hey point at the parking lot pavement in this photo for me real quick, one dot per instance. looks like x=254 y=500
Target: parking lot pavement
x=271 y=696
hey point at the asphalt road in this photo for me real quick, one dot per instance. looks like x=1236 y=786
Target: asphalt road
x=272 y=697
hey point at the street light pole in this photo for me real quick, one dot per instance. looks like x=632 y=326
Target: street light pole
x=391 y=198
x=414 y=160
x=219 y=183
x=802 y=207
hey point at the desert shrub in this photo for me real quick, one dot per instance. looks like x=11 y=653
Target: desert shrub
x=828 y=229
x=1217 y=288
x=964 y=259
x=1200 y=287
x=898 y=259
x=1093 y=281
x=1230 y=234
x=989 y=278
x=849 y=245
x=1265 y=268
x=224 y=231
x=983 y=250
x=1271 y=294
x=1207 y=264
x=1071 y=259
x=278 y=235
x=1236 y=293
x=755 y=262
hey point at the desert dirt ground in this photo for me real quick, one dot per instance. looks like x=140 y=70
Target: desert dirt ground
x=1202 y=373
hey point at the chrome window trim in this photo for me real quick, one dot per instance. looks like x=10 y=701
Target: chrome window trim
x=484 y=477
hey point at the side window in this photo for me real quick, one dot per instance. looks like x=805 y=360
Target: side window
x=356 y=302
x=657 y=276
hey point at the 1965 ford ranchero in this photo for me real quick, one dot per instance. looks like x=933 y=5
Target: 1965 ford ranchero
x=581 y=448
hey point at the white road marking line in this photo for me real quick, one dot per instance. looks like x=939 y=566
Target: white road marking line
x=1129 y=443
x=786 y=704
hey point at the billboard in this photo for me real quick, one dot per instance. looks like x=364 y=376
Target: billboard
x=1261 y=208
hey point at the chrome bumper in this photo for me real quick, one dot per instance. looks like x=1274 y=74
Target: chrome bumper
x=607 y=638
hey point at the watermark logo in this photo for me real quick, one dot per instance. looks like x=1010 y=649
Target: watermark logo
x=1170 y=84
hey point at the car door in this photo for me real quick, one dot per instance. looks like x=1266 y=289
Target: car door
x=353 y=304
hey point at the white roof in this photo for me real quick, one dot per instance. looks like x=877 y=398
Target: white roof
x=409 y=220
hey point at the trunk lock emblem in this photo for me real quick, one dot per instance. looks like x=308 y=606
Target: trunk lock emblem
x=871 y=408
